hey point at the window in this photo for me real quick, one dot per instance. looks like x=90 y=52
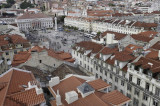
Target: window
x=101 y=70
x=147 y=86
x=128 y=95
x=121 y=91
x=85 y=65
x=145 y=97
x=80 y=63
x=116 y=79
x=115 y=87
x=106 y=73
x=122 y=83
x=96 y=75
x=40 y=61
x=143 y=104
x=7 y=53
x=135 y=102
x=88 y=67
x=110 y=83
x=105 y=80
x=96 y=67
x=100 y=77
x=111 y=76
x=138 y=81
x=136 y=92
x=157 y=92
x=15 y=51
x=155 y=103
x=91 y=69
x=130 y=77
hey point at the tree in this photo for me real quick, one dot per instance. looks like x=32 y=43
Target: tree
x=10 y=2
x=26 y=4
x=112 y=5
x=98 y=33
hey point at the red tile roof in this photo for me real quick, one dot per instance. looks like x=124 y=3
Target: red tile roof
x=143 y=62
x=115 y=98
x=145 y=36
x=22 y=57
x=98 y=84
x=156 y=46
x=93 y=99
x=12 y=92
x=131 y=48
x=33 y=15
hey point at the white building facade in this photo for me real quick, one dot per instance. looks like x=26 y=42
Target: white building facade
x=34 y=21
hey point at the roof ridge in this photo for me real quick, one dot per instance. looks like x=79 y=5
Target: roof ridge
x=8 y=86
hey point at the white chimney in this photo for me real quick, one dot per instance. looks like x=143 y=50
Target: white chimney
x=32 y=84
x=54 y=81
x=159 y=54
x=39 y=90
x=71 y=97
x=58 y=99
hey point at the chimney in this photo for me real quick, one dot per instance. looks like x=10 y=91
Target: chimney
x=38 y=90
x=32 y=84
x=58 y=99
x=159 y=54
x=71 y=97
x=54 y=81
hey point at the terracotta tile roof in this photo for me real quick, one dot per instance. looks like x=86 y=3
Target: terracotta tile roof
x=153 y=54
x=88 y=45
x=118 y=36
x=131 y=48
x=98 y=84
x=124 y=56
x=5 y=40
x=32 y=16
x=115 y=98
x=143 y=62
x=12 y=92
x=145 y=25
x=22 y=57
x=145 y=36
x=94 y=99
x=156 y=46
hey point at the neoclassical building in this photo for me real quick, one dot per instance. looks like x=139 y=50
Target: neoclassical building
x=34 y=21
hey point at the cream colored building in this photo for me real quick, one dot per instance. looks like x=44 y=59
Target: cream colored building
x=34 y=21
x=113 y=66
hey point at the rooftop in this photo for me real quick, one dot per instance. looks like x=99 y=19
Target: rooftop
x=94 y=99
x=12 y=91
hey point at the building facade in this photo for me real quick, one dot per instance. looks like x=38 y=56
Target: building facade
x=34 y=21
x=112 y=66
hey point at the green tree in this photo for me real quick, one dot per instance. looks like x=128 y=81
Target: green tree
x=98 y=33
x=26 y=4
x=112 y=5
x=10 y=2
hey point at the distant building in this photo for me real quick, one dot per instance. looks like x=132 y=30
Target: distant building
x=9 y=46
x=42 y=58
x=34 y=21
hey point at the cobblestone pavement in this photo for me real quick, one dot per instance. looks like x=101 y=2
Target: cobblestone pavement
x=62 y=40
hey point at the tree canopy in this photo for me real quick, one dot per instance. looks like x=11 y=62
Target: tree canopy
x=26 y=4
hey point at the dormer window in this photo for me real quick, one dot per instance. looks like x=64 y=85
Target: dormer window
x=140 y=70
